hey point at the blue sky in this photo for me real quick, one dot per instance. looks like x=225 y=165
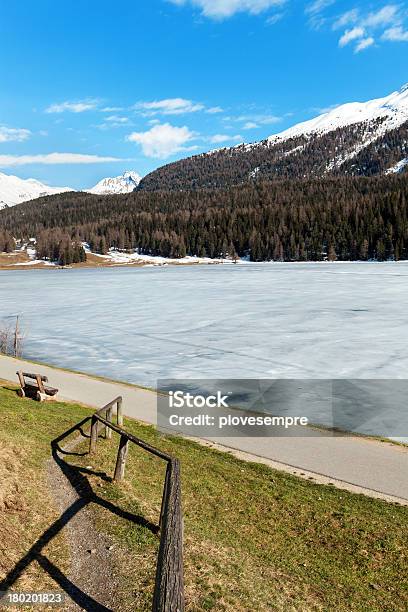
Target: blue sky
x=94 y=88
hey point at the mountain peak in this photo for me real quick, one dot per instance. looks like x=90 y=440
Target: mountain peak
x=392 y=110
x=125 y=183
x=131 y=174
x=14 y=190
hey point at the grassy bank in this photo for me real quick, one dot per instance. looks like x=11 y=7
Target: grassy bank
x=27 y=508
x=258 y=539
x=255 y=539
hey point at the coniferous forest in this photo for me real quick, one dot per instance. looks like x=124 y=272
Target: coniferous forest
x=293 y=158
x=345 y=218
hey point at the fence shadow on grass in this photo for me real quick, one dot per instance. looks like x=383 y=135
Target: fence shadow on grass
x=77 y=477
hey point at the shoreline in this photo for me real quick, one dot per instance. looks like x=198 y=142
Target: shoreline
x=22 y=259
x=91 y=265
x=319 y=427
x=326 y=460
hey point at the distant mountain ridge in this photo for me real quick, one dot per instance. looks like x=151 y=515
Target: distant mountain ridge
x=355 y=139
x=125 y=183
x=14 y=190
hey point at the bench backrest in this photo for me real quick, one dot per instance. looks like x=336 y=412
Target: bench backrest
x=37 y=377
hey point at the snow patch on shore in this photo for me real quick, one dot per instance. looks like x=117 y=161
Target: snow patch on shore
x=34 y=262
x=123 y=258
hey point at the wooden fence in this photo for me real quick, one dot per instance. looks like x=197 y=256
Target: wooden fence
x=169 y=583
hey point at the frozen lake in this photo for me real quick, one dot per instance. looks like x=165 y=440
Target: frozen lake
x=328 y=320
x=268 y=321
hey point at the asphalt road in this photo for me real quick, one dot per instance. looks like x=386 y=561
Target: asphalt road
x=379 y=469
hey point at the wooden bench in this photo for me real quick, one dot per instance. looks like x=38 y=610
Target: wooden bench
x=32 y=385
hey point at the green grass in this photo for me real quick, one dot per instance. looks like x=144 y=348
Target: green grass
x=26 y=505
x=255 y=539
x=259 y=539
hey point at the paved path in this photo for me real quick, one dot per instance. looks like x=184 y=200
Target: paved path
x=354 y=463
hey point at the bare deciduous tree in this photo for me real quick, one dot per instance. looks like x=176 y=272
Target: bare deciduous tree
x=5 y=339
x=11 y=339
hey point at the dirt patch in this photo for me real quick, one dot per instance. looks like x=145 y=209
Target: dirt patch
x=93 y=564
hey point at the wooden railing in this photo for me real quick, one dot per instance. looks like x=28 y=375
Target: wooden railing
x=169 y=583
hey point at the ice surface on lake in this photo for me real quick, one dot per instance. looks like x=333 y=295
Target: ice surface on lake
x=328 y=320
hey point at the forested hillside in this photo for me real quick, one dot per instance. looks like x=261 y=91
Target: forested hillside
x=343 y=218
x=336 y=153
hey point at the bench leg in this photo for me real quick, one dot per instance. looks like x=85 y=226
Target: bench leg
x=44 y=397
x=21 y=393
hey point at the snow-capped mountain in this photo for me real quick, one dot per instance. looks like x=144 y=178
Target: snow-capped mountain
x=14 y=190
x=355 y=139
x=392 y=110
x=126 y=183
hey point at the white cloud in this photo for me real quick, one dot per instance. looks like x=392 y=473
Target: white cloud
x=54 y=158
x=114 y=121
x=386 y=23
x=390 y=14
x=268 y=119
x=385 y=16
x=219 y=138
x=396 y=34
x=214 y=110
x=163 y=140
x=346 y=19
x=13 y=134
x=350 y=35
x=315 y=12
x=275 y=18
x=221 y=9
x=364 y=44
x=79 y=106
x=318 y=6
x=112 y=109
x=117 y=119
x=169 y=106
x=250 y=125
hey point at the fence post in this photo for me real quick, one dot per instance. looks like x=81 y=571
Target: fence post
x=169 y=586
x=121 y=459
x=119 y=412
x=94 y=435
x=108 y=431
x=164 y=498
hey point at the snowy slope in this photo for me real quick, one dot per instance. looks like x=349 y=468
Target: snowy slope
x=14 y=190
x=393 y=109
x=399 y=167
x=126 y=183
x=355 y=139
